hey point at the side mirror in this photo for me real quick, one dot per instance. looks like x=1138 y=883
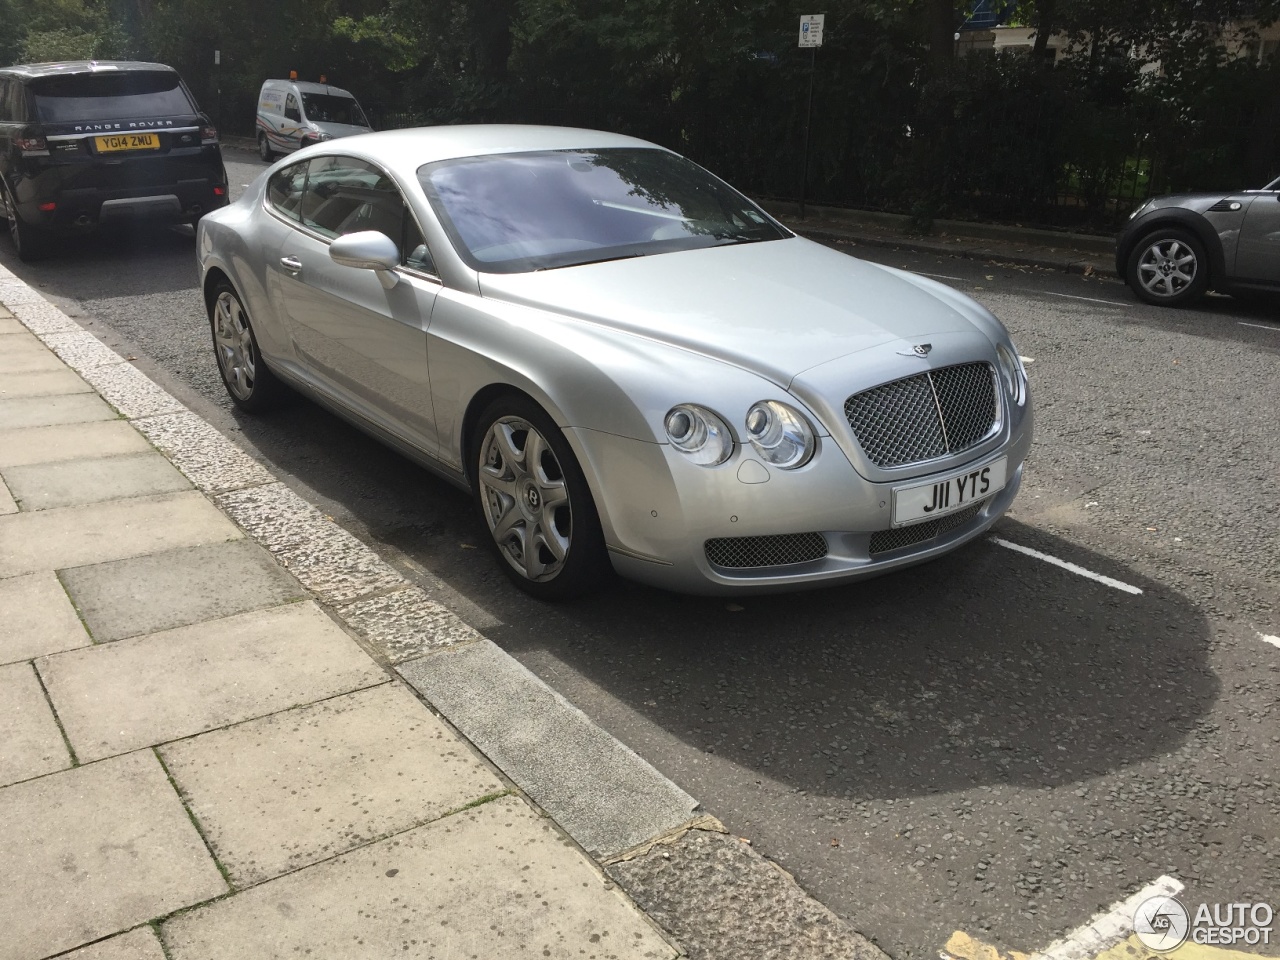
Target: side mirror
x=368 y=250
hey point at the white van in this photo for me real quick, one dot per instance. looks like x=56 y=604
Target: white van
x=294 y=113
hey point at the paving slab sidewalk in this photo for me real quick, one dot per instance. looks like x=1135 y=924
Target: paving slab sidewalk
x=198 y=759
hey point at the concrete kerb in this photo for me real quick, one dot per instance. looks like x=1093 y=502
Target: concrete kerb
x=1079 y=265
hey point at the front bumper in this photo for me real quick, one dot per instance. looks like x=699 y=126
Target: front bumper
x=659 y=510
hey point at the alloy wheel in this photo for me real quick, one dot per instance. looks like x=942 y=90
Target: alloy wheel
x=233 y=340
x=1167 y=268
x=525 y=499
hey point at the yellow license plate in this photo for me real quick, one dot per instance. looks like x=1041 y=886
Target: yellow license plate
x=128 y=141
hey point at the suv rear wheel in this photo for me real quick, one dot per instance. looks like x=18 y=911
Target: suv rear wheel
x=31 y=243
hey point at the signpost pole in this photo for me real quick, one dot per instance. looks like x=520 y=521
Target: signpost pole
x=811 y=37
x=808 y=122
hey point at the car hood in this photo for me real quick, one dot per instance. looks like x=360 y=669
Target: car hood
x=776 y=308
x=336 y=130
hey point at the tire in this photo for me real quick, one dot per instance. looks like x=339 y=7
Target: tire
x=31 y=243
x=1168 y=267
x=546 y=506
x=264 y=148
x=250 y=384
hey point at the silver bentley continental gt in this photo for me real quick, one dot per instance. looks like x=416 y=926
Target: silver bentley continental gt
x=627 y=363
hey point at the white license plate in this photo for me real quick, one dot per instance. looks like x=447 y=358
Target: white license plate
x=937 y=498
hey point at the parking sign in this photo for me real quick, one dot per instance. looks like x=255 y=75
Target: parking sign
x=811 y=30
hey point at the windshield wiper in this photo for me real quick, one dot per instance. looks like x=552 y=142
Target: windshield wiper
x=583 y=263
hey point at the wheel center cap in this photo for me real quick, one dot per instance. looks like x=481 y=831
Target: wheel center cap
x=532 y=497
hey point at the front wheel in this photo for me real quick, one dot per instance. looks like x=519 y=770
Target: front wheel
x=534 y=499
x=1168 y=268
x=252 y=387
x=264 y=148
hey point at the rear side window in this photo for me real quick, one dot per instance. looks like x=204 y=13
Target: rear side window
x=13 y=100
x=132 y=95
x=345 y=195
x=284 y=189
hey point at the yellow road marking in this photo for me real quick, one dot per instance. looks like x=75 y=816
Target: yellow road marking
x=961 y=946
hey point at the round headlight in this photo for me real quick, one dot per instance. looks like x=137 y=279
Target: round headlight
x=781 y=435
x=1012 y=374
x=699 y=434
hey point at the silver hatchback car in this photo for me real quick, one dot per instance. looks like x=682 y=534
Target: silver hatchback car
x=626 y=362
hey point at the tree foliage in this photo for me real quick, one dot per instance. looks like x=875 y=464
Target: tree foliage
x=1148 y=95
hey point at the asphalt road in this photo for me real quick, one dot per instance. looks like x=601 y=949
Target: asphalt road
x=990 y=743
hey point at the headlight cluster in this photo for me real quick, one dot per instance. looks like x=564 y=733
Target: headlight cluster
x=699 y=434
x=1012 y=374
x=780 y=434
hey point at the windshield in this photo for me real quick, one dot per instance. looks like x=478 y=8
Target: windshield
x=516 y=212
x=1273 y=185
x=132 y=95
x=326 y=108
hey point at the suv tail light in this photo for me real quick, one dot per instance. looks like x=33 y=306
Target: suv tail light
x=208 y=133
x=33 y=146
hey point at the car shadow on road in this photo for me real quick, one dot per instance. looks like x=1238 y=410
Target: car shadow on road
x=983 y=667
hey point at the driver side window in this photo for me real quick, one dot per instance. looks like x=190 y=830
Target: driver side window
x=345 y=195
x=291 y=111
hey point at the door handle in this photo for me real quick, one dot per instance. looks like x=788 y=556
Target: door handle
x=292 y=264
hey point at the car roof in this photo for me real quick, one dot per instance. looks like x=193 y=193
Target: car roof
x=306 y=86
x=62 y=68
x=407 y=150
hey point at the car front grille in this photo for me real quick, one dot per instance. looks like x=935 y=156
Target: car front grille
x=777 y=550
x=930 y=415
x=887 y=540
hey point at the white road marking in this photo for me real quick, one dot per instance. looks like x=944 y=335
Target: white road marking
x=1118 y=584
x=1267 y=638
x=1109 y=927
x=1260 y=326
x=1071 y=296
x=940 y=276
x=1027 y=359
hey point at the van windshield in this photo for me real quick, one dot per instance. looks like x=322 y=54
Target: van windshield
x=132 y=95
x=326 y=108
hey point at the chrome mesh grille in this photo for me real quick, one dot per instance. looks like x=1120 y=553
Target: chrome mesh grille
x=897 y=423
x=776 y=550
x=896 y=539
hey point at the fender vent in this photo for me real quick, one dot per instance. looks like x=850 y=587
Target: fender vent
x=1226 y=206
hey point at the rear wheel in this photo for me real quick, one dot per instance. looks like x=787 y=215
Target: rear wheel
x=264 y=148
x=534 y=499
x=252 y=387
x=1168 y=267
x=31 y=243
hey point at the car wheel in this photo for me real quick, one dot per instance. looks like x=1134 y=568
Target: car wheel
x=252 y=387
x=31 y=243
x=264 y=148
x=1168 y=268
x=535 y=502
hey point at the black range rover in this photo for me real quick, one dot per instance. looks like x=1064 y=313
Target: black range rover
x=89 y=143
